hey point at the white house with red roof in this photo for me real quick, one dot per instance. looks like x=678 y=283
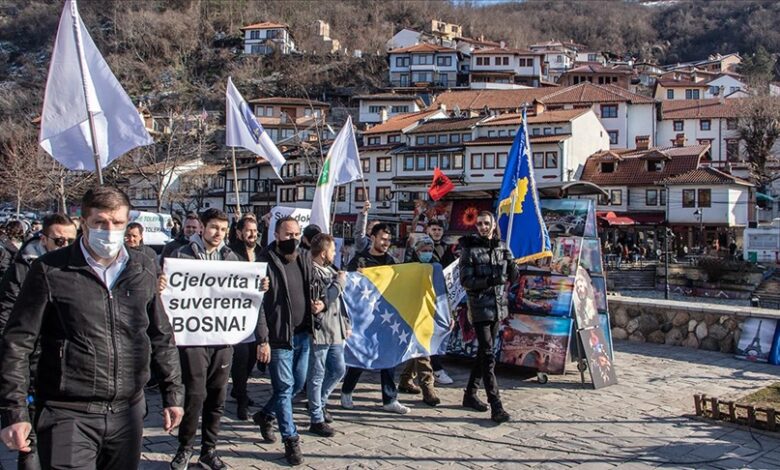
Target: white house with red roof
x=501 y=65
x=266 y=37
x=424 y=65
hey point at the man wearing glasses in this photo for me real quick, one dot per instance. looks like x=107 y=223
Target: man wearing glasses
x=58 y=231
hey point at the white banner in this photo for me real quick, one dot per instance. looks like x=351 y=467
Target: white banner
x=157 y=227
x=212 y=303
x=303 y=216
x=455 y=291
x=339 y=242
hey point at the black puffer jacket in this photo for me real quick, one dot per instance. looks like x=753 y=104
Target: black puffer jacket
x=96 y=343
x=485 y=267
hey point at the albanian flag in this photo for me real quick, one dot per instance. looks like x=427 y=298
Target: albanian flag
x=440 y=186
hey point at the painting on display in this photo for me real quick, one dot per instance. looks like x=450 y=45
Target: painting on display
x=534 y=341
x=541 y=295
x=590 y=256
x=463 y=340
x=565 y=217
x=602 y=370
x=463 y=214
x=426 y=211
x=607 y=329
x=586 y=311
x=755 y=342
x=590 y=222
x=600 y=292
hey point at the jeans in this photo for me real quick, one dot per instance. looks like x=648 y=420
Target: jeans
x=389 y=390
x=326 y=368
x=300 y=368
x=484 y=367
x=282 y=382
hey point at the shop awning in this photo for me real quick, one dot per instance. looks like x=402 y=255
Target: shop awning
x=620 y=219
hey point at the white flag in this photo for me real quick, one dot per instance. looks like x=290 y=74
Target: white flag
x=80 y=81
x=341 y=166
x=243 y=130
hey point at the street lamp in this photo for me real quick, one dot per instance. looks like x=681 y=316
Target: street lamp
x=700 y=213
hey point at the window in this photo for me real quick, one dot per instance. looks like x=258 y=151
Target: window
x=609 y=111
x=559 y=59
x=662 y=198
x=521 y=62
x=422 y=77
x=491 y=133
x=651 y=197
x=445 y=161
x=536 y=131
x=691 y=94
x=466 y=137
x=454 y=138
x=603 y=200
x=420 y=140
x=476 y=161
x=255 y=34
x=548 y=131
x=443 y=138
x=505 y=61
x=384 y=165
x=551 y=160
x=558 y=130
x=402 y=62
x=409 y=163
x=433 y=161
x=287 y=195
x=445 y=61
x=678 y=125
x=489 y=161
x=375 y=109
x=431 y=140
x=341 y=193
x=705 y=124
x=393 y=139
x=501 y=163
x=732 y=150
x=305 y=193
x=705 y=198
x=481 y=60
x=422 y=59
x=400 y=109
x=714 y=90
x=705 y=141
x=670 y=94
x=366 y=164
x=616 y=197
x=422 y=161
x=360 y=195
x=607 y=167
x=457 y=161
x=383 y=193
x=373 y=141
x=731 y=124
x=613 y=137
x=655 y=166
x=502 y=133
x=689 y=198
x=592 y=58
x=538 y=159
x=733 y=89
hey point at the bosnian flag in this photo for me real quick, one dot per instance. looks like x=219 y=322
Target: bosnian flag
x=244 y=131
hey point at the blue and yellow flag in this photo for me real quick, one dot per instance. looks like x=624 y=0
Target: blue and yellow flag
x=398 y=313
x=518 y=213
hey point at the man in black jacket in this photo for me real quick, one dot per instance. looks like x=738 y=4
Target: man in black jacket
x=204 y=368
x=244 y=354
x=94 y=310
x=58 y=231
x=134 y=239
x=283 y=330
x=191 y=227
x=485 y=267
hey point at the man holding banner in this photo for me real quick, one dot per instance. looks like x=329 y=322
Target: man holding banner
x=205 y=369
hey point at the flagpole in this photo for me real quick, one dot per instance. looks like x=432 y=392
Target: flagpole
x=235 y=183
x=90 y=114
x=514 y=191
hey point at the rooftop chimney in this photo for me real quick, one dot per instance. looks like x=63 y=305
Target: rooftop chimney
x=383 y=115
x=642 y=142
x=679 y=140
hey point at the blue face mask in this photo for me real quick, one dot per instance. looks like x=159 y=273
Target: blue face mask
x=425 y=257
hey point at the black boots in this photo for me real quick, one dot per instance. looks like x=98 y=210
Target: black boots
x=470 y=400
x=497 y=413
x=292 y=450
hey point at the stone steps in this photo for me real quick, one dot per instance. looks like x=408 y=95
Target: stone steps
x=768 y=292
x=633 y=279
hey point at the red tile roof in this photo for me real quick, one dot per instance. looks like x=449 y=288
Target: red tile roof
x=697 y=109
x=265 y=25
x=498 y=50
x=289 y=101
x=535 y=139
x=672 y=83
x=443 y=125
x=705 y=175
x=595 y=67
x=422 y=48
x=631 y=167
x=547 y=117
x=492 y=99
x=400 y=121
x=590 y=93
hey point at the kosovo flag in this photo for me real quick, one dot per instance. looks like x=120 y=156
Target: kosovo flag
x=518 y=213
x=398 y=312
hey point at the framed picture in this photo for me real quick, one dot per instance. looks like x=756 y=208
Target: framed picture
x=586 y=311
x=541 y=295
x=565 y=217
x=566 y=255
x=602 y=370
x=537 y=342
x=755 y=342
x=600 y=292
x=590 y=256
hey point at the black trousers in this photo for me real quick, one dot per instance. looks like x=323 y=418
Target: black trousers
x=244 y=360
x=30 y=460
x=484 y=368
x=70 y=439
x=205 y=371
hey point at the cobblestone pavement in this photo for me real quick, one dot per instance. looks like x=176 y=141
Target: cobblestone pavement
x=641 y=423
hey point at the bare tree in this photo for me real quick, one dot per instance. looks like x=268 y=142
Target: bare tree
x=195 y=186
x=759 y=129
x=20 y=168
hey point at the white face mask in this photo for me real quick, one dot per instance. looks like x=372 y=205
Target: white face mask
x=105 y=243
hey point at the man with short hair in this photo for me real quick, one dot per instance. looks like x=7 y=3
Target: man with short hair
x=191 y=227
x=205 y=369
x=283 y=332
x=374 y=255
x=94 y=310
x=57 y=232
x=134 y=239
x=244 y=354
x=311 y=231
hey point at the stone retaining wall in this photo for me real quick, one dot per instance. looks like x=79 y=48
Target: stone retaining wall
x=692 y=324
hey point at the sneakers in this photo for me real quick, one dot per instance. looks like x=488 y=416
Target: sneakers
x=346 y=401
x=498 y=414
x=266 y=423
x=292 y=450
x=210 y=460
x=242 y=410
x=182 y=459
x=442 y=377
x=328 y=417
x=430 y=398
x=395 y=407
x=410 y=388
x=471 y=401
x=322 y=429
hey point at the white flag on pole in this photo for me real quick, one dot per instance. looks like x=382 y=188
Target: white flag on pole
x=243 y=130
x=341 y=166
x=79 y=82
